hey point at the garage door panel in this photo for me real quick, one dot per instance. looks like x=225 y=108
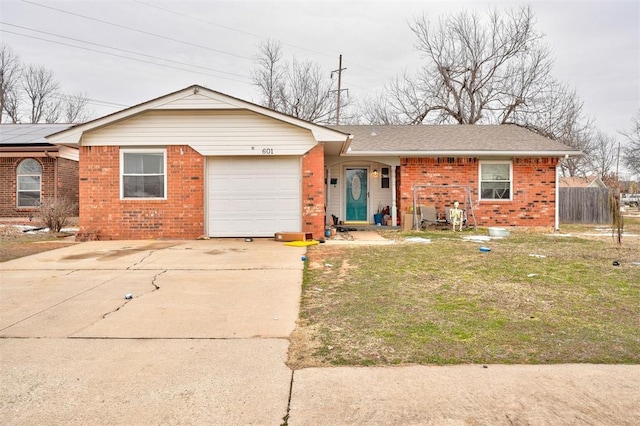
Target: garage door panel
x=253 y=196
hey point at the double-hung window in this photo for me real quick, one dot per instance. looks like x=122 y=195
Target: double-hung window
x=29 y=183
x=143 y=173
x=495 y=180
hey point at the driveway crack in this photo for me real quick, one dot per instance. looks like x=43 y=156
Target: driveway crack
x=285 y=418
x=155 y=277
x=58 y=303
x=153 y=283
x=142 y=260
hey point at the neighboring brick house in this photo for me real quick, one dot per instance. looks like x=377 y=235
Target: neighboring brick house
x=197 y=162
x=33 y=170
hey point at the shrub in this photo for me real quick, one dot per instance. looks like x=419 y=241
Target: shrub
x=56 y=213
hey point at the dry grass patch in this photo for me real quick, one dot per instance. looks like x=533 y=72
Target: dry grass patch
x=447 y=302
x=14 y=243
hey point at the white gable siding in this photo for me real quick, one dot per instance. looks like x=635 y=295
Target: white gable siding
x=197 y=101
x=212 y=132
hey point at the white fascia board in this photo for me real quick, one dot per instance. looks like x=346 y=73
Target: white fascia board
x=465 y=153
x=347 y=146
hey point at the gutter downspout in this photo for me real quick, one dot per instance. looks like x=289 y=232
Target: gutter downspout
x=557 y=209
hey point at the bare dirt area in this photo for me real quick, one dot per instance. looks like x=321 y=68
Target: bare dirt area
x=18 y=240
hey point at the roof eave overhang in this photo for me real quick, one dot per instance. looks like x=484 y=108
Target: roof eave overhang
x=465 y=153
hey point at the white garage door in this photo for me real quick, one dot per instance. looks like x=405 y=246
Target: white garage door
x=253 y=196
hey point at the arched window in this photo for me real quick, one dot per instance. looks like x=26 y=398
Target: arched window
x=29 y=179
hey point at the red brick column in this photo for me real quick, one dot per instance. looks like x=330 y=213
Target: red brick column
x=313 y=197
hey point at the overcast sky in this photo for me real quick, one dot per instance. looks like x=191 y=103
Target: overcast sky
x=596 y=45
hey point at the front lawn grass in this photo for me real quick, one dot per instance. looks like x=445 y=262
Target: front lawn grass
x=534 y=298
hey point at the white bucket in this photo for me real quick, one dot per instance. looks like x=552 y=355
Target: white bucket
x=498 y=232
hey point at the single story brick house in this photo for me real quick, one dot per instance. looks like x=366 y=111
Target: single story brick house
x=33 y=170
x=198 y=162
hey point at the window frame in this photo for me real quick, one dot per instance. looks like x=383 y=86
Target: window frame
x=385 y=177
x=480 y=181
x=18 y=190
x=124 y=151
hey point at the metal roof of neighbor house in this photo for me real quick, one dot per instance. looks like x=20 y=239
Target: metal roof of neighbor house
x=456 y=140
x=28 y=134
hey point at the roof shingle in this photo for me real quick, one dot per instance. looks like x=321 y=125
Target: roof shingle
x=423 y=139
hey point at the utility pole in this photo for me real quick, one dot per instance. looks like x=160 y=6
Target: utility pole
x=340 y=89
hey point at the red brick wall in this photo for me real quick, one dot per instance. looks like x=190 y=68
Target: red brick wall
x=68 y=181
x=8 y=187
x=533 y=198
x=103 y=215
x=67 y=178
x=313 y=201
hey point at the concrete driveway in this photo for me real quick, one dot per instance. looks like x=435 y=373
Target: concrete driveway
x=203 y=340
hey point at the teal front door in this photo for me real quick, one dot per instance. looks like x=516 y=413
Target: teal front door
x=356 y=196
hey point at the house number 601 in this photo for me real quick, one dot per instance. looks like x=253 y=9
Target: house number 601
x=267 y=151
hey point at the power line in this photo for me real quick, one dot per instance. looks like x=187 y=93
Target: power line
x=227 y=27
x=97 y=102
x=124 y=50
x=197 y=19
x=137 y=30
x=253 y=35
x=119 y=56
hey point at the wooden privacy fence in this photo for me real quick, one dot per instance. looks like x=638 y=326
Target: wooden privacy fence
x=585 y=205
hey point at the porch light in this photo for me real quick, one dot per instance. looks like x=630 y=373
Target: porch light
x=375 y=173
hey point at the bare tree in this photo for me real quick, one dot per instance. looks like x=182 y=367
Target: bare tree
x=43 y=100
x=10 y=75
x=41 y=89
x=307 y=95
x=12 y=105
x=298 y=88
x=270 y=74
x=53 y=112
x=559 y=115
x=604 y=155
x=631 y=153
x=476 y=71
x=75 y=108
x=377 y=110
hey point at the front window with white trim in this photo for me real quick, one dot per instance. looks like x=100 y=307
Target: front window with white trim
x=29 y=182
x=143 y=173
x=495 y=180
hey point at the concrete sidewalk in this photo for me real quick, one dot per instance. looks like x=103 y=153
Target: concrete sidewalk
x=467 y=395
x=204 y=340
